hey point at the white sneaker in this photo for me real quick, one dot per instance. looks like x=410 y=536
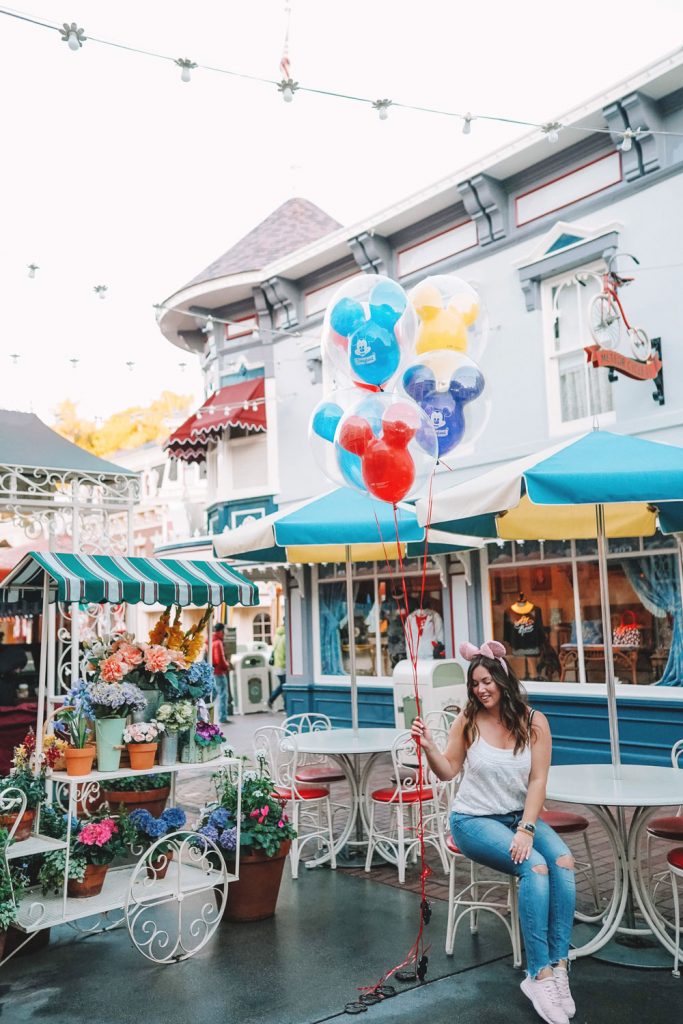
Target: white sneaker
x=561 y=977
x=544 y=995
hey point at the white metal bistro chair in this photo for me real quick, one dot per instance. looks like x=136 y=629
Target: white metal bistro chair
x=497 y=896
x=397 y=834
x=675 y=862
x=310 y=807
x=313 y=769
x=669 y=829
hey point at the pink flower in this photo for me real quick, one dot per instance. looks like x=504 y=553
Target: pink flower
x=157 y=659
x=264 y=810
x=280 y=824
x=97 y=833
x=255 y=813
x=112 y=669
x=129 y=653
x=178 y=658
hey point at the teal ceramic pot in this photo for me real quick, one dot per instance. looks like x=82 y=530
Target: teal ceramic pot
x=109 y=734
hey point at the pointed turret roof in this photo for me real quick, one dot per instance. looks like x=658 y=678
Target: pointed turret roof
x=293 y=225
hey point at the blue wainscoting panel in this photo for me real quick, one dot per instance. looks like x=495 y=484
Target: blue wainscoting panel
x=579 y=725
x=375 y=703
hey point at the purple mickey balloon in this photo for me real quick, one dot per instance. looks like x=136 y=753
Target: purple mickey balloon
x=445 y=409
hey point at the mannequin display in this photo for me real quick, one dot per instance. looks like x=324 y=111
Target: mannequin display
x=523 y=632
x=428 y=624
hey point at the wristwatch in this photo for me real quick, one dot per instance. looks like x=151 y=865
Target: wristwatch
x=527 y=826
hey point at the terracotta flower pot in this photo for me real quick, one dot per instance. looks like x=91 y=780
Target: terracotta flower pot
x=142 y=755
x=158 y=868
x=91 y=884
x=254 y=896
x=79 y=760
x=25 y=825
x=152 y=800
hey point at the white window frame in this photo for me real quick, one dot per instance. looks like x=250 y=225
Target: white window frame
x=556 y=426
x=265 y=626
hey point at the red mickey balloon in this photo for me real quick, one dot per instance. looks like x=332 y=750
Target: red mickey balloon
x=386 y=464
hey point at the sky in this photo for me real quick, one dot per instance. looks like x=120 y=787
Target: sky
x=115 y=172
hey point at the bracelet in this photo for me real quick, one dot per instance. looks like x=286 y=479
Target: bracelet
x=527 y=826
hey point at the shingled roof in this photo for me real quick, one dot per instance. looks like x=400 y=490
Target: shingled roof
x=293 y=225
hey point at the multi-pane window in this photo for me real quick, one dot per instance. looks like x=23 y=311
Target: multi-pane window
x=261 y=628
x=576 y=390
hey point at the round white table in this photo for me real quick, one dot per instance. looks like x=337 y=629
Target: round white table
x=643 y=787
x=346 y=747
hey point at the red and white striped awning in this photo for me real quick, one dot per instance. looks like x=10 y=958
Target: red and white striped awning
x=236 y=405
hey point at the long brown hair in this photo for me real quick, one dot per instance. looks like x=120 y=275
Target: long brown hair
x=514 y=708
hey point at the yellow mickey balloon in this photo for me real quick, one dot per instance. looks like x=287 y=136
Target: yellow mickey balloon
x=446 y=330
x=467 y=306
x=426 y=299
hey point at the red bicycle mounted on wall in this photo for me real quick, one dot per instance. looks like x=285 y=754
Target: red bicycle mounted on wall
x=606 y=314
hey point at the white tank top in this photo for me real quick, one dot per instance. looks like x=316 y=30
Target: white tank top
x=495 y=781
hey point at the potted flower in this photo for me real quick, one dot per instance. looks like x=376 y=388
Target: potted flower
x=204 y=743
x=96 y=843
x=76 y=726
x=142 y=829
x=111 y=703
x=265 y=837
x=175 y=718
x=141 y=739
x=149 y=792
x=27 y=778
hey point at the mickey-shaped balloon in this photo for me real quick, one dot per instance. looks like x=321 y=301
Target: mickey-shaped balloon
x=367 y=326
x=446 y=307
x=443 y=384
x=387 y=466
x=341 y=467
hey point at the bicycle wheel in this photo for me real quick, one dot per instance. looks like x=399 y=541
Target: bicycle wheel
x=605 y=322
x=640 y=344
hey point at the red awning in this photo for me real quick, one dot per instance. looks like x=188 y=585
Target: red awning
x=236 y=405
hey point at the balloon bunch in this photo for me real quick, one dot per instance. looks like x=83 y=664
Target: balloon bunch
x=404 y=387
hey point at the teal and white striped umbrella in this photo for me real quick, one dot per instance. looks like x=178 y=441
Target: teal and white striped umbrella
x=95 y=578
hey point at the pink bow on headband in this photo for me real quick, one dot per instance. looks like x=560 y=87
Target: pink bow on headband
x=491 y=649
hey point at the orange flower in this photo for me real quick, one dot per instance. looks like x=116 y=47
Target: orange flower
x=158 y=632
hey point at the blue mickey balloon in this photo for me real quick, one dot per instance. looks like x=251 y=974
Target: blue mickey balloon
x=445 y=409
x=326 y=420
x=388 y=302
x=345 y=316
x=351 y=468
x=374 y=353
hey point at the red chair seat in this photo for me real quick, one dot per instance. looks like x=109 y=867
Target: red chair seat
x=450 y=843
x=305 y=793
x=666 y=828
x=675 y=858
x=564 y=822
x=410 y=796
x=320 y=773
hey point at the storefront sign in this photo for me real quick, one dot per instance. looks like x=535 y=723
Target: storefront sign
x=616 y=363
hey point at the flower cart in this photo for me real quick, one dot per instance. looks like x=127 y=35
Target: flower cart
x=171 y=895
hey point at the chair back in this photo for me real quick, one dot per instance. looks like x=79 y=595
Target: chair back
x=676 y=761
x=405 y=761
x=441 y=720
x=271 y=746
x=309 y=721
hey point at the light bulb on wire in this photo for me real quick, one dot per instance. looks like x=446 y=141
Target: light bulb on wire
x=551 y=130
x=467 y=124
x=101 y=291
x=627 y=139
x=32 y=267
x=72 y=35
x=187 y=67
x=287 y=88
x=382 y=108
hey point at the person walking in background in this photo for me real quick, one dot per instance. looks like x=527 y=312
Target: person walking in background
x=279 y=663
x=221 y=674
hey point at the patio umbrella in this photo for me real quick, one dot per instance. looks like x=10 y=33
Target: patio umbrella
x=598 y=485
x=341 y=526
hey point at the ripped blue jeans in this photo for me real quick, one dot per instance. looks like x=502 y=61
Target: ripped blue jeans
x=547 y=899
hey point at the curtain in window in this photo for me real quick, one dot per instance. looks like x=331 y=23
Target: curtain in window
x=655 y=581
x=332 y=613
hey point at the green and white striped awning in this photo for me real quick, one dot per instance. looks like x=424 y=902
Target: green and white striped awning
x=114 y=579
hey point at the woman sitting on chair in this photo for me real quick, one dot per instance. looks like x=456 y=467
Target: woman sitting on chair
x=504 y=749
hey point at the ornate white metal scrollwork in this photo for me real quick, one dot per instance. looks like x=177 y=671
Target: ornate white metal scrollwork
x=177 y=896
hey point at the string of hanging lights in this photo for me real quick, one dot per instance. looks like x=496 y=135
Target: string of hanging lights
x=75 y=38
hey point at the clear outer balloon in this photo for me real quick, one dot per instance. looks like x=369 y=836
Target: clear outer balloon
x=394 y=444
x=449 y=316
x=369 y=328
x=450 y=389
x=322 y=428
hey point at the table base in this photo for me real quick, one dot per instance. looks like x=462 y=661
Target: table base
x=625 y=950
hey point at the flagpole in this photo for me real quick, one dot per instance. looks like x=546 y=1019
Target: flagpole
x=607 y=641
x=351 y=624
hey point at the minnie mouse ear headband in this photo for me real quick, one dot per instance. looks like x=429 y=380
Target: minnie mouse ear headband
x=491 y=649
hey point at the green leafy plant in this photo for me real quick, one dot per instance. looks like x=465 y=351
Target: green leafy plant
x=137 y=783
x=263 y=822
x=13 y=884
x=76 y=726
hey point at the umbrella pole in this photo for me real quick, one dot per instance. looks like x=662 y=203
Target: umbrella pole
x=607 y=641
x=351 y=621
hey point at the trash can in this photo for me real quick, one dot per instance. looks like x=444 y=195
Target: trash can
x=440 y=683
x=249 y=682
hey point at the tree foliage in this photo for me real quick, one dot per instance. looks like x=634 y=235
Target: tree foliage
x=123 y=430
